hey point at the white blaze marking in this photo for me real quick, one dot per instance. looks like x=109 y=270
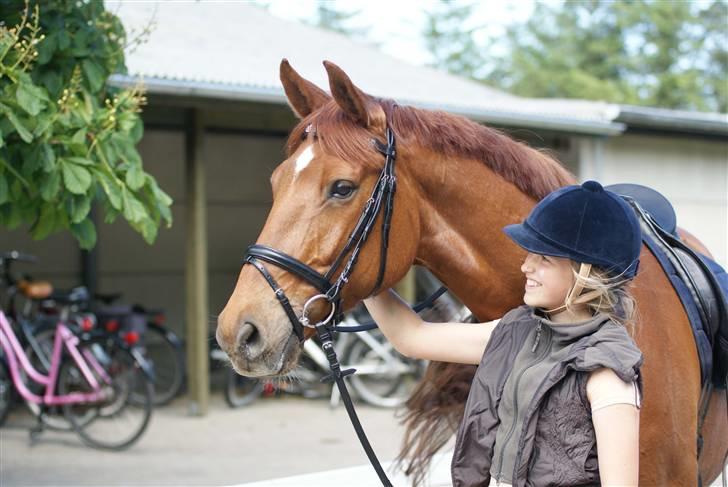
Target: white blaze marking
x=304 y=159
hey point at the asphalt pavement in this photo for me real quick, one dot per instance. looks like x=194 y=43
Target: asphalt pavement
x=274 y=437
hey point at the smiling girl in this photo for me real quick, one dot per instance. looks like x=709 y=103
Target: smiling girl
x=556 y=396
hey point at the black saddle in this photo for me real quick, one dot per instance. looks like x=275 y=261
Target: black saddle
x=693 y=276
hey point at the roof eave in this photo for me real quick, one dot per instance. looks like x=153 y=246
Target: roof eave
x=277 y=96
x=673 y=121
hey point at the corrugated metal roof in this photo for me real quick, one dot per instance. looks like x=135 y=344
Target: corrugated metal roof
x=233 y=50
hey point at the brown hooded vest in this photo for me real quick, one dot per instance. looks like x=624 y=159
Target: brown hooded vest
x=543 y=434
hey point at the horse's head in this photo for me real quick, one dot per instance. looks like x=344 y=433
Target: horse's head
x=319 y=193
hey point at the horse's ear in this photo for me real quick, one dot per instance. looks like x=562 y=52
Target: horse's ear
x=357 y=104
x=303 y=96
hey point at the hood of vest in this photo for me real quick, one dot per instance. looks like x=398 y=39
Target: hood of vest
x=606 y=343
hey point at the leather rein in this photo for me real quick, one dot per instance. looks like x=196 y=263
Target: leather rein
x=380 y=201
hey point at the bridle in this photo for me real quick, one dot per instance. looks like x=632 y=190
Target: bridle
x=381 y=199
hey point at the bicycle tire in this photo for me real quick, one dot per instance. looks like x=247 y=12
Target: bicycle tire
x=164 y=350
x=6 y=392
x=387 y=390
x=95 y=422
x=240 y=390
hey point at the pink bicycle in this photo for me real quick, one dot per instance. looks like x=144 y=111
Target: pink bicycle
x=103 y=391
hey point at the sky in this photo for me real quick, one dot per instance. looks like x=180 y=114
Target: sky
x=396 y=25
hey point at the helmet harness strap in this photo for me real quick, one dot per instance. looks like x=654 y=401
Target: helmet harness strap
x=575 y=296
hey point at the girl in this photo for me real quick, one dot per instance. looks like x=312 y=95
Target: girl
x=555 y=399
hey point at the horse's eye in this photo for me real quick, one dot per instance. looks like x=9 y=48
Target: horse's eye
x=342 y=189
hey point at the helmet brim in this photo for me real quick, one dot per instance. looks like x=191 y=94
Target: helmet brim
x=529 y=240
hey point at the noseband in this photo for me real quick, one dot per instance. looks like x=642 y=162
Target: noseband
x=381 y=200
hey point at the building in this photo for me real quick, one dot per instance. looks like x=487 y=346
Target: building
x=217 y=113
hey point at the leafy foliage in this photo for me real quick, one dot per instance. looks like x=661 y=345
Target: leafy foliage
x=330 y=18
x=67 y=140
x=644 y=52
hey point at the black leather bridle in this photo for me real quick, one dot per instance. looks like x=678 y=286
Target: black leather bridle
x=381 y=200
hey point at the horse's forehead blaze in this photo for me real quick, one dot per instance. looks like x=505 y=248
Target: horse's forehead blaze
x=303 y=160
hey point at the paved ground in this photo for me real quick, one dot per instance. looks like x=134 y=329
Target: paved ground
x=274 y=437
x=271 y=439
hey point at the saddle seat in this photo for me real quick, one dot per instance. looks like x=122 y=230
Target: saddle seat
x=700 y=282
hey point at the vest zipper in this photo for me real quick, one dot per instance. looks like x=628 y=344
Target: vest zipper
x=540 y=358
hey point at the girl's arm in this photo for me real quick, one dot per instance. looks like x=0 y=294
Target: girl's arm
x=443 y=342
x=617 y=427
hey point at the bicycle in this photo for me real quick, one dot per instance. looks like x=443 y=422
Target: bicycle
x=92 y=384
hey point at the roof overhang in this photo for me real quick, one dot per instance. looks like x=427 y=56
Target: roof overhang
x=198 y=89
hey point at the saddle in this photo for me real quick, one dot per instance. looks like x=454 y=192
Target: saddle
x=700 y=282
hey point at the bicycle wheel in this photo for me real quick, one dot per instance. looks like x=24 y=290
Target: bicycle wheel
x=383 y=378
x=240 y=390
x=6 y=392
x=118 y=421
x=164 y=350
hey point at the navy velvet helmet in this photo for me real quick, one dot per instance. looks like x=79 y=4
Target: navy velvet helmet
x=584 y=223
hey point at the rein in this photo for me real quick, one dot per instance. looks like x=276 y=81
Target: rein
x=381 y=200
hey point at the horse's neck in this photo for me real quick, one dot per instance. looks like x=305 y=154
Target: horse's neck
x=465 y=206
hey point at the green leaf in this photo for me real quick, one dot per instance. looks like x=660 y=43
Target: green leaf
x=111 y=188
x=79 y=208
x=135 y=178
x=85 y=233
x=46 y=223
x=79 y=137
x=148 y=229
x=134 y=211
x=94 y=74
x=23 y=132
x=81 y=161
x=50 y=186
x=31 y=98
x=4 y=191
x=48 y=157
x=76 y=178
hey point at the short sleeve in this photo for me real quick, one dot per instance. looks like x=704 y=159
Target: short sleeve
x=604 y=389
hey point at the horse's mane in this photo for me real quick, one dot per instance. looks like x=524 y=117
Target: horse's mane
x=530 y=170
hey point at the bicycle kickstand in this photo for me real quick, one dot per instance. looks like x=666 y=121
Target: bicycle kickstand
x=39 y=427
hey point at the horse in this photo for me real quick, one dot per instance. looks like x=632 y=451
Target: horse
x=458 y=184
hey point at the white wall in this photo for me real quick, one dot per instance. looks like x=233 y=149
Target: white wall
x=691 y=172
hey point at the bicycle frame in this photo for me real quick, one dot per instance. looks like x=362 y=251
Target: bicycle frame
x=64 y=337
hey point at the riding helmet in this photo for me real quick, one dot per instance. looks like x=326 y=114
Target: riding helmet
x=585 y=223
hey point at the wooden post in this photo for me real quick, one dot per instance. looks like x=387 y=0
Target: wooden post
x=196 y=269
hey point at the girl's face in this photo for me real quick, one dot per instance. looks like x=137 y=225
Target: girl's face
x=548 y=280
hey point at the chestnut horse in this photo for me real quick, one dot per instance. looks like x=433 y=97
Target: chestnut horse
x=458 y=184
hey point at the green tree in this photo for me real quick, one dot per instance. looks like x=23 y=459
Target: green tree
x=648 y=52
x=67 y=140
x=330 y=18
x=452 y=45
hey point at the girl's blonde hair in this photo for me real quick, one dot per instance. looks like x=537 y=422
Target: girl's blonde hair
x=613 y=296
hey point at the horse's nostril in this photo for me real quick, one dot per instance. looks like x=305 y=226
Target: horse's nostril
x=247 y=332
x=248 y=337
